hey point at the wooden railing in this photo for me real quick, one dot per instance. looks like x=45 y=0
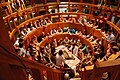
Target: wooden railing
x=76 y=26
x=14 y=67
x=107 y=66
x=88 y=29
x=8 y=9
x=59 y=36
x=35 y=11
x=24 y=24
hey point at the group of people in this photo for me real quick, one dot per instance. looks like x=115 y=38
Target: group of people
x=81 y=20
x=47 y=54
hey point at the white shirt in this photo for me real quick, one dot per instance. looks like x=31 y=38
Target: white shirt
x=110 y=37
x=75 y=51
x=60 y=60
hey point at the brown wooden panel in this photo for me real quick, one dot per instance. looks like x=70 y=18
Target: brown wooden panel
x=36 y=74
x=18 y=72
x=98 y=34
x=5 y=72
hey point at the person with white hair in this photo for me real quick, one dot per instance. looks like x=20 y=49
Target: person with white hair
x=60 y=60
x=66 y=40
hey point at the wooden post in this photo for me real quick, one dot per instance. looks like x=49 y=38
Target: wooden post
x=81 y=1
x=28 y=15
x=93 y=1
x=68 y=8
x=3 y=1
x=32 y=3
x=118 y=5
x=115 y=19
x=9 y=8
x=6 y=12
x=46 y=7
x=109 y=3
x=45 y=1
x=58 y=6
x=80 y=6
x=18 y=19
x=14 y=23
x=8 y=21
x=68 y=5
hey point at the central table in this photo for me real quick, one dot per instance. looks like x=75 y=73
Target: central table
x=70 y=59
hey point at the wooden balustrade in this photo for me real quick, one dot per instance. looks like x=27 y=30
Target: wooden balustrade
x=8 y=7
x=29 y=36
x=97 y=73
x=36 y=10
x=76 y=26
x=50 y=39
x=100 y=68
x=58 y=14
x=15 y=67
x=59 y=36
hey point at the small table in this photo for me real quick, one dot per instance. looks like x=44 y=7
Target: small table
x=73 y=60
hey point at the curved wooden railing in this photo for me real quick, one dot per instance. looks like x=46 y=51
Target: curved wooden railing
x=76 y=26
x=28 y=12
x=24 y=24
x=12 y=65
x=103 y=67
x=59 y=36
x=58 y=15
x=16 y=67
x=56 y=6
x=7 y=6
x=49 y=27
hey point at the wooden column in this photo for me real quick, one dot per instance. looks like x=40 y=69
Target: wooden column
x=9 y=24
x=109 y=3
x=68 y=8
x=18 y=19
x=81 y=1
x=9 y=8
x=115 y=19
x=45 y=1
x=68 y=5
x=28 y=15
x=32 y=2
x=118 y=5
x=3 y=1
x=93 y=1
x=46 y=7
x=58 y=6
x=14 y=23
x=58 y=9
x=80 y=6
